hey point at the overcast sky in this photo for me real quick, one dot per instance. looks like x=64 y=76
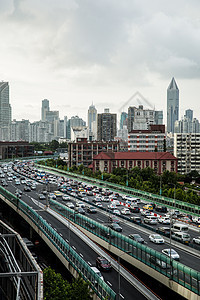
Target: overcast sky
x=75 y=52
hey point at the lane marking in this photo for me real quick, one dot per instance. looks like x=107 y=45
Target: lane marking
x=74 y=247
x=109 y=283
x=89 y=263
x=81 y=254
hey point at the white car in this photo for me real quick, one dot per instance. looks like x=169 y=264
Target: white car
x=70 y=205
x=174 y=254
x=105 y=199
x=196 y=240
x=116 y=202
x=125 y=211
x=80 y=204
x=99 y=204
x=164 y=220
x=156 y=238
x=65 y=197
x=116 y=211
x=112 y=206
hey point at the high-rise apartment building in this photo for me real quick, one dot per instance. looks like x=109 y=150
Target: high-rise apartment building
x=172 y=105
x=187 y=150
x=45 y=108
x=106 y=126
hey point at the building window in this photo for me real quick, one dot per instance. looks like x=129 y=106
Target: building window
x=147 y=163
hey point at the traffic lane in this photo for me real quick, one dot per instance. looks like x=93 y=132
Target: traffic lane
x=111 y=278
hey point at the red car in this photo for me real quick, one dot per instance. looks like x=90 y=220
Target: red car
x=103 y=264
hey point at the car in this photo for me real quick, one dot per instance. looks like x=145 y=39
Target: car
x=145 y=213
x=4 y=183
x=99 y=204
x=136 y=220
x=115 y=227
x=89 y=193
x=159 y=263
x=116 y=212
x=161 y=209
x=164 y=230
x=113 y=219
x=91 y=209
x=41 y=197
x=89 y=225
x=58 y=194
x=134 y=209
x=103 y=264
x=116 y=202
x=66 y=198
x=111 y=206
x=164 y=220
x=80 y=204
x=174 y=255
x=148 y=207
x=27 y=188
x=105 y=199
x=136 y=237
x=52 y=196
x=96 y=271
x=156 y=238
x=196 y=240
x=70 y=205
x=125 y=211
x=80 y=210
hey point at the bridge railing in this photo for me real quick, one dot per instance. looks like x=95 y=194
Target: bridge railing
x=174 y=270
x=102 y=290
x=172 y=203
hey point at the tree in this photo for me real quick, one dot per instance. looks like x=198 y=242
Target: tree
x=53 y=145
x=55 y=287
x=79 y=290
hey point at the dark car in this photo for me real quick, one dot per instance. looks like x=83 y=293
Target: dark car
x=136 y=237
x=164 y=230
x=136 y=220
x=159 y=263
x=106 y=234
x=152 y=204
x=90 y=225
x=113 y=220
x=103 y=264
x=115 y=227
x=161 y=209
x=91 y=210
x=134 y=209
x=27 y=188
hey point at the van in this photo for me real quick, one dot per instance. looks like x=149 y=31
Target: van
x=179 y=227
x=150 y=220
x=181 y=237
x=97 y=272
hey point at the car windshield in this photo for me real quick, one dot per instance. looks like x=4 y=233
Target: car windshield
x=157 y=236
x=136 y=236
x=104 y=262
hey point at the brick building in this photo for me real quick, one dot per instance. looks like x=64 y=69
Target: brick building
x=159 y=161
x=15 y=149
x=82 y=151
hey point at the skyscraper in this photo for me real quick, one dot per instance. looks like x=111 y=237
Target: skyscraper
x=45 y=108
x=106 y=126
x=5 y=108
x=123 y=119
x=92 y=116
x=172 y=105
x=189 y=114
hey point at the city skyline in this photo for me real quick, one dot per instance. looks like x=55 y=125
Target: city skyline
x=76 y=52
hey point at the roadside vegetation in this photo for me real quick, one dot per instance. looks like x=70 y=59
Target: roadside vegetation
x=169 y=184
x=57 y=288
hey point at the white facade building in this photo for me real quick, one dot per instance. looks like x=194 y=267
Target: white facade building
x=187 y=150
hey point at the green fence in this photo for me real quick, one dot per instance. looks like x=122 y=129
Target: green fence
x=174 y=270
x=172 y=203
x=97 y=284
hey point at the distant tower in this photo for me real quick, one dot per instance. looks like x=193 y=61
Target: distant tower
x=5 y=108
x=189 y=114
x=172 y=105
x=45 y=108
x=106 y=126
x=123 y=119
x=92 y=116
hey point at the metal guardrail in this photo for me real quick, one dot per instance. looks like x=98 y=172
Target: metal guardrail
x=172 y=269
x=101 y=289
x=172 y=203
